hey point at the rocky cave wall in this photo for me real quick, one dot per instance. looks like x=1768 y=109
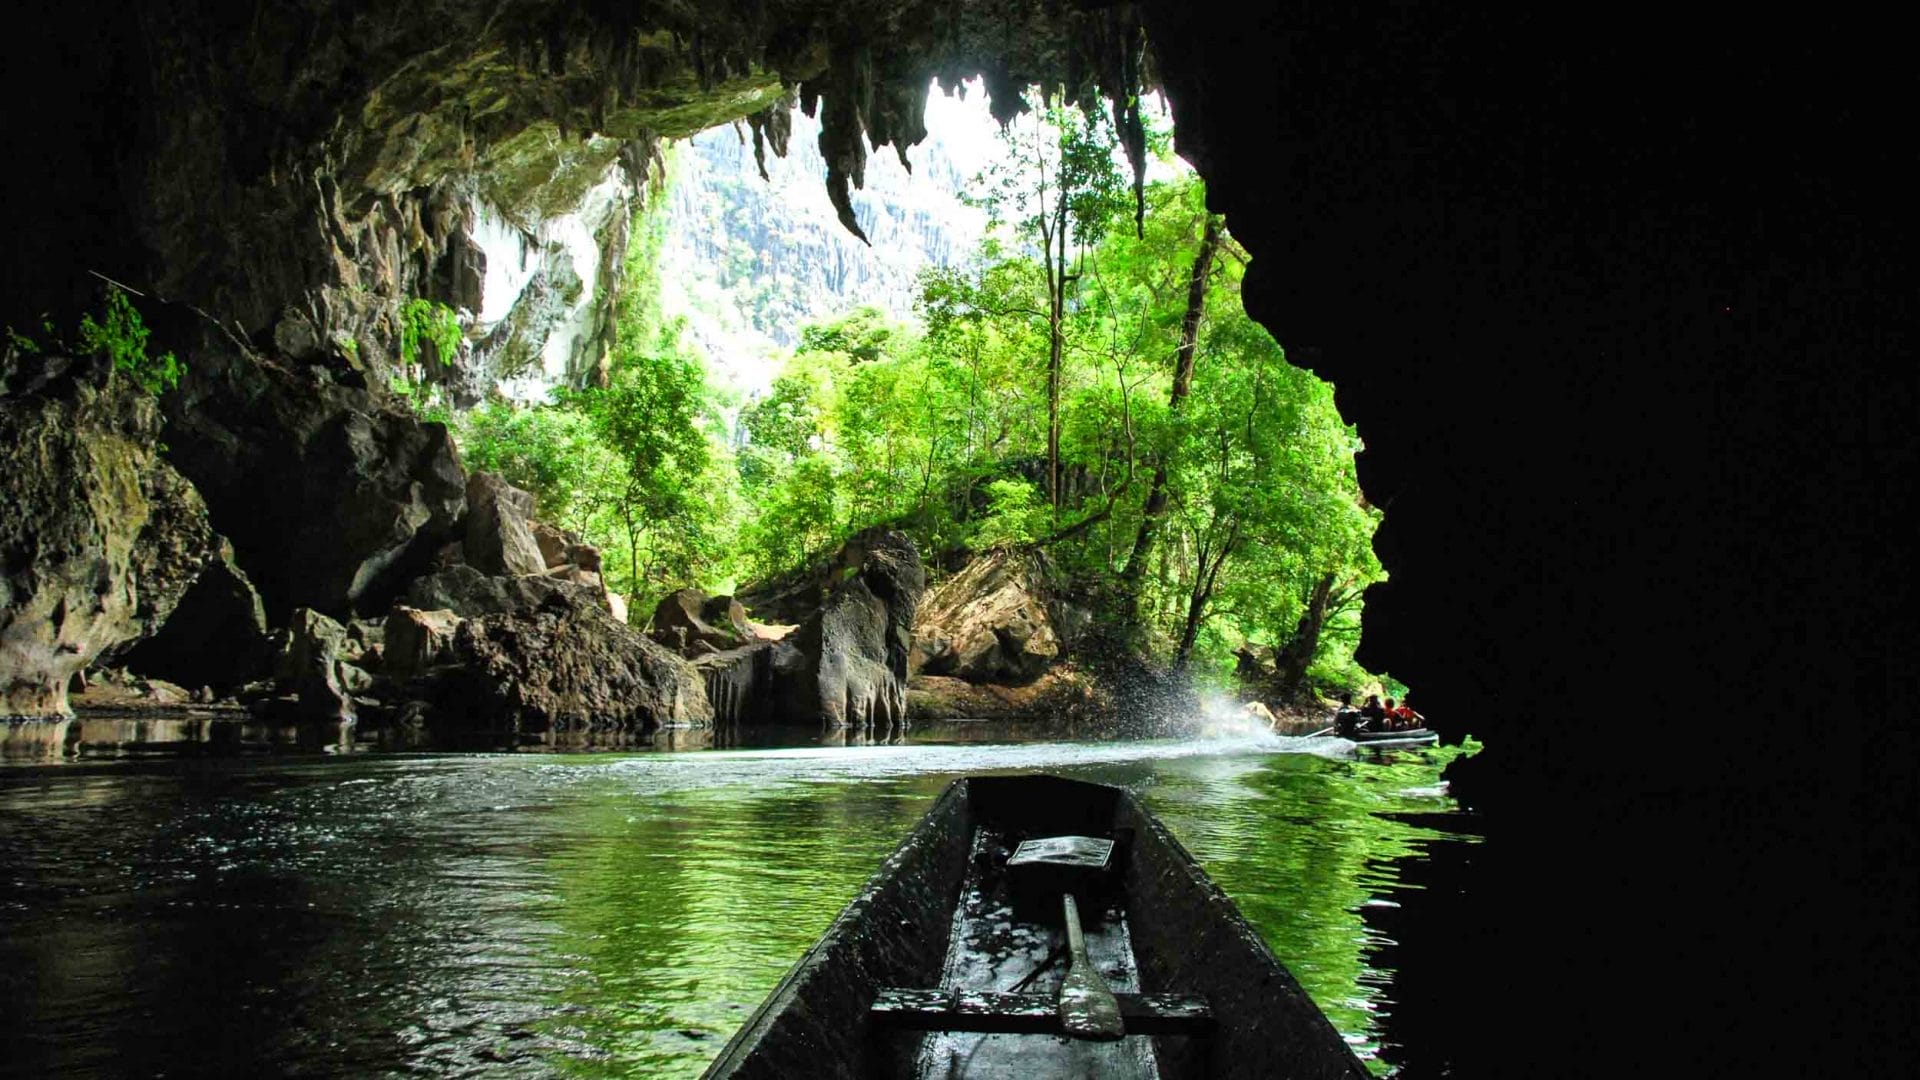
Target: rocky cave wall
x=1611 y=311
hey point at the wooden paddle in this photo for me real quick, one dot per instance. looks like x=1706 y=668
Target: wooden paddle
x=1088 y=1009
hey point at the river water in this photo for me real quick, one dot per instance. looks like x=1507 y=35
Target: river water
x=595 y=914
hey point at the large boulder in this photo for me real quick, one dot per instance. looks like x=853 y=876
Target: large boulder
x=566 y=665
x=846 y=665
x=316 y=666
x=333 y=495
x=989 y=623
x=467 y=592
x=417 y=641
x=561 y=548
x=690 y=617
x=100 y=537
x=791 y=598
x=499 y=537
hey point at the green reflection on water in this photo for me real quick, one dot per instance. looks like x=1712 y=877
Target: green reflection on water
x=680 y=910
x=683 y=912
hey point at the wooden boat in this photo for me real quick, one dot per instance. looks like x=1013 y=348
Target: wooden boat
x=1407 y=737
x=1349 y=724
x=948 y=963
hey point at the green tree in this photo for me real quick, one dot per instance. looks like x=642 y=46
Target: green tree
x=1060 y=192
x=669 y=500
x=556 y=453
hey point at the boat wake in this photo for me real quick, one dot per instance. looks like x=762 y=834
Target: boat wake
x=813 y=764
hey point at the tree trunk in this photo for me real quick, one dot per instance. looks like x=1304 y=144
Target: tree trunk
x=1056 y=347
x=1182 y=383
x=1202 y=594
x=1290 y=661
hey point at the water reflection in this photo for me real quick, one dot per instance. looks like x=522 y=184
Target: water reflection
x=547 y=915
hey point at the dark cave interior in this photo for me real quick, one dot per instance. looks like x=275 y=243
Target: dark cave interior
x=1621 y=311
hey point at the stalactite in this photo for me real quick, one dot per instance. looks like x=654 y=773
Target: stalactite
x=772 y=128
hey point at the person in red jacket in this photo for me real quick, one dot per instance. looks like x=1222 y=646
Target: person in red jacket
x=1405 y=717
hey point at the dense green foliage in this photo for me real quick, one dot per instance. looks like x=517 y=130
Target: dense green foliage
x=1043 y=402
x=638 y=466
x=424 y=321
x=120 y=335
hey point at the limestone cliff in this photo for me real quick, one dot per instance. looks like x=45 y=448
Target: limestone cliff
x=101 y=537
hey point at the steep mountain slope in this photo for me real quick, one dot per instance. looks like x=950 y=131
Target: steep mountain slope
x=748 y=261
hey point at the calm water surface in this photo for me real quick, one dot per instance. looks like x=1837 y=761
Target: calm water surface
x=588 y=915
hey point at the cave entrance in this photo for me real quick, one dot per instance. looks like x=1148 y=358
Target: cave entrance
x=716 y=376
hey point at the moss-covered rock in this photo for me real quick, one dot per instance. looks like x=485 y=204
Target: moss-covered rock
x=100 y=538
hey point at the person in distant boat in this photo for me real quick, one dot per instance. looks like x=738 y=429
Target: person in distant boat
x=1409 y=719
x=1391 y=720
x=1346 y=719
x=1372 y=716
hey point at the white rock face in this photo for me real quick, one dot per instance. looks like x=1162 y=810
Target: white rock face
x=542 y=314
x=511 y=263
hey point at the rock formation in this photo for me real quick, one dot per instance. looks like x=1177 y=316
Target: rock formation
x=100 y=538
x=1629 y=356
x=318 y=665
x=467 y=592
x=332 y=494
x=688 y=617
x=989 y=623
x=499 y=539
x=566 y=665
x=846 y=665
x=417 y=641
x=216 y=636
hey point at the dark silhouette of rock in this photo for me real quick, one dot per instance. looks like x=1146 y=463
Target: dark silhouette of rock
x=215 y=637
x=467 y=592
x=499 y=539
x=566 y=665
x=846 y=665
x=100 y=537
x=791 y=598
x=739 y=682
x=727 y=614
x=332 y=495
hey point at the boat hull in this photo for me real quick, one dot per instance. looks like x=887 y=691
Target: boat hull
x=1409 y=737
x=1186 y=937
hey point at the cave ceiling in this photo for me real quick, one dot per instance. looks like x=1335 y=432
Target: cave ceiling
x=318 y=157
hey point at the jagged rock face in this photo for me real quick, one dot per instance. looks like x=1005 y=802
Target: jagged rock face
x=566 y=666
x=987 y=623
x=739 y=682
x=499 y=537
x=791 y=598
x=216 y=636
x=100 y=538
x=846 y=666
x=688 y=616
x=332 y=496
x=417 y=641
x=469 y=593
x=316 y=667
x=306 y=170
